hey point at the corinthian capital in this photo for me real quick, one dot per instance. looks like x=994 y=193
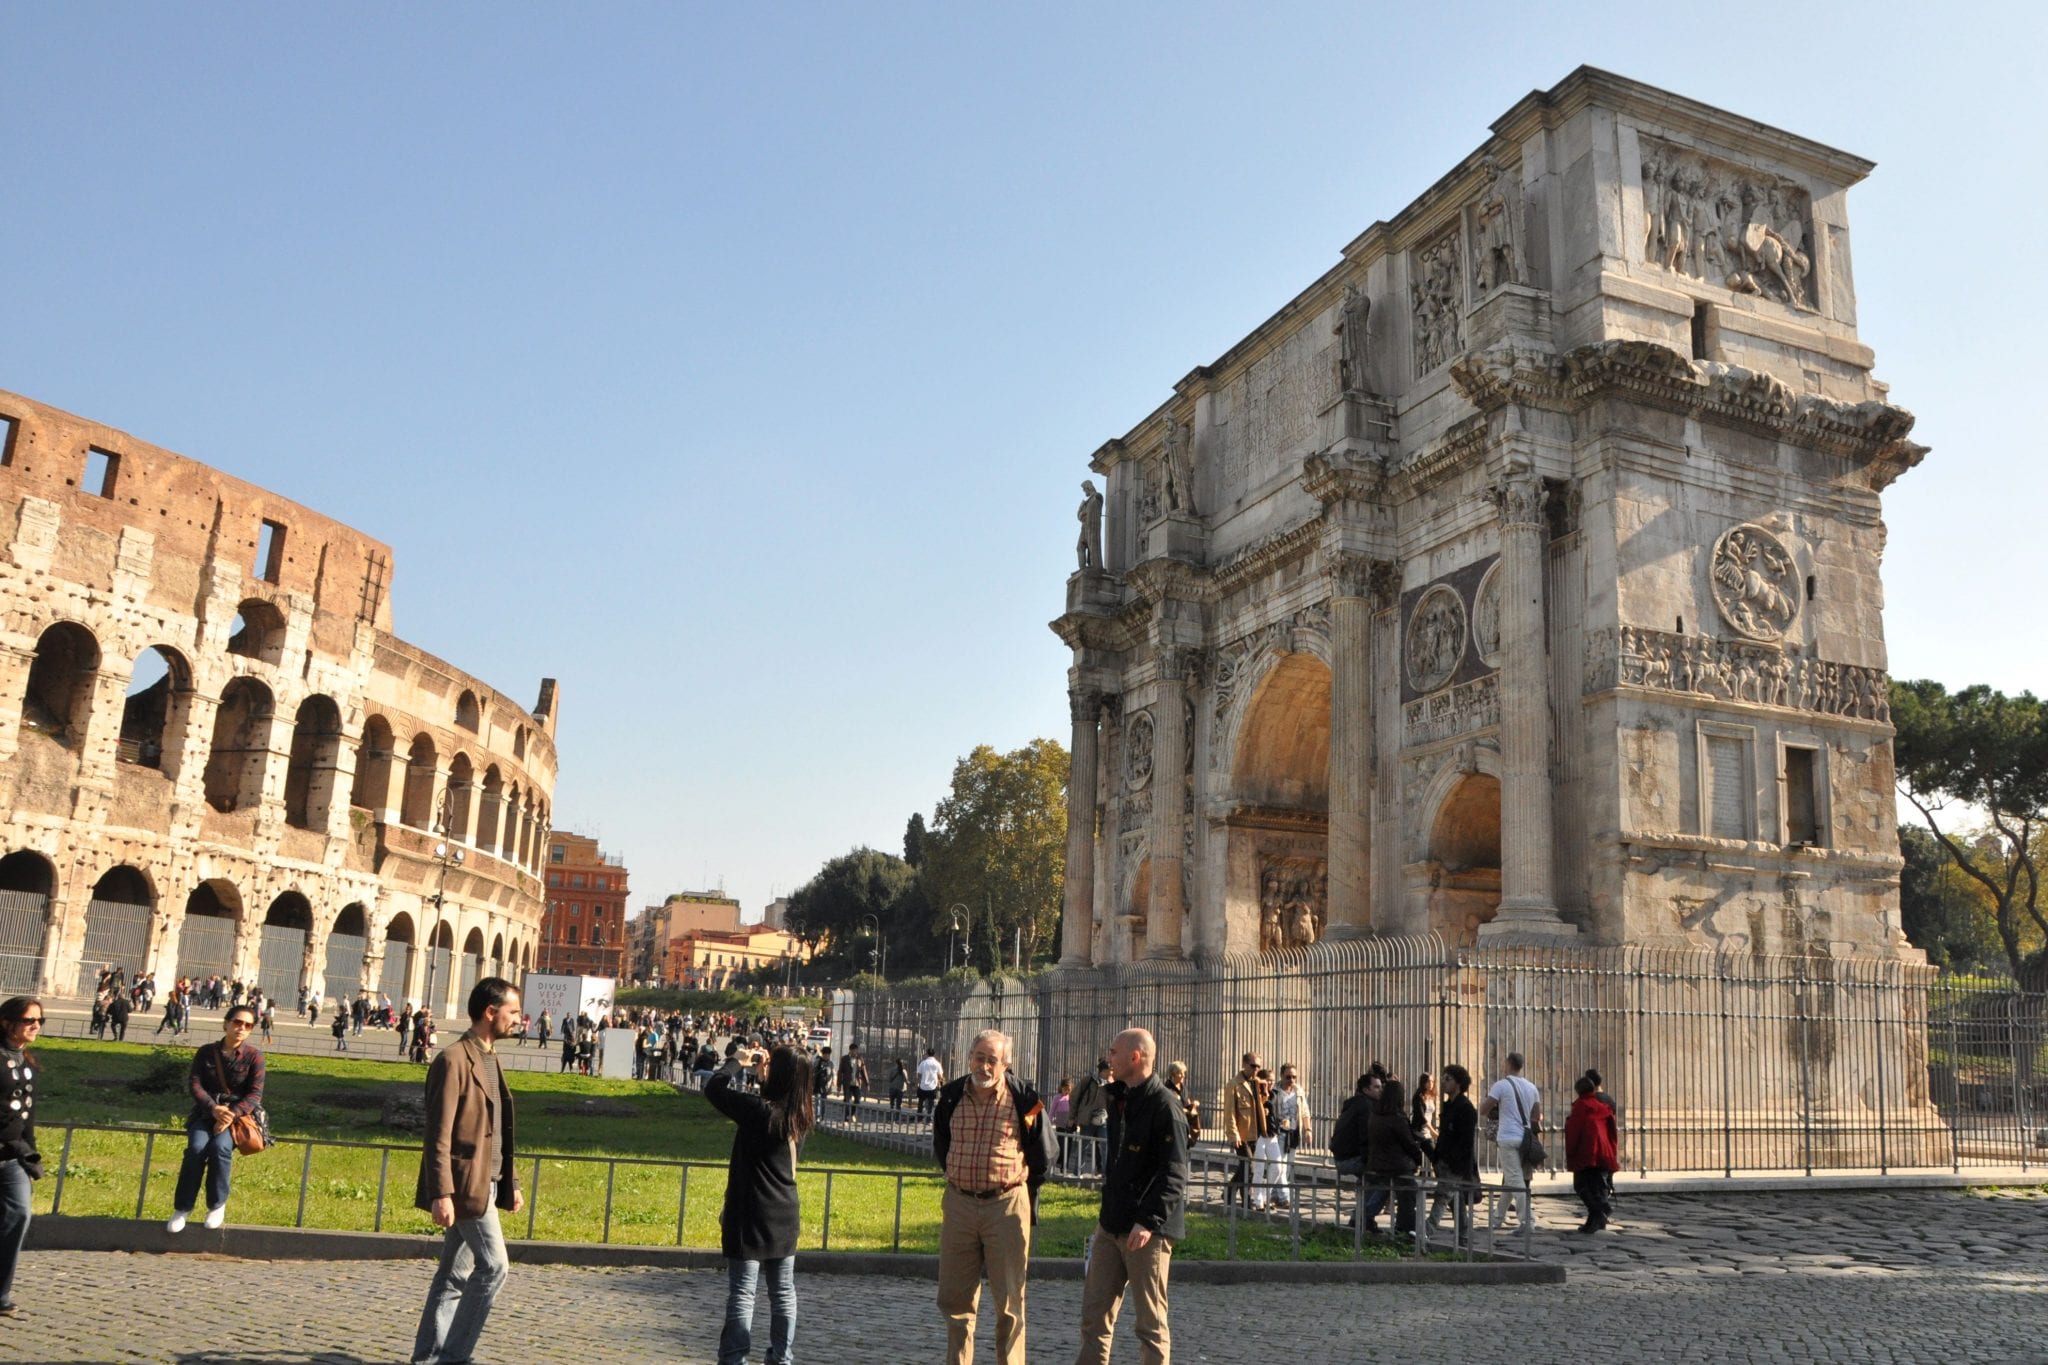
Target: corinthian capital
x=1519 y=498
x=1349 y=574
x=1085 y=703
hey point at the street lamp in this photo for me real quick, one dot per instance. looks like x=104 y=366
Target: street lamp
x=879 y=954
x=444 y=854
x=960 y=930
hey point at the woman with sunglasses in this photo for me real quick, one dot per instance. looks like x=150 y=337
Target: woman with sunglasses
x=21 y=1019
x=227 y=1083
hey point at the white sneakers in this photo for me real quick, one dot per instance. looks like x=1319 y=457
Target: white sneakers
x=214 y=1218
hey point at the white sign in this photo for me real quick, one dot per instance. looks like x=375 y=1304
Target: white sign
x=565 y=997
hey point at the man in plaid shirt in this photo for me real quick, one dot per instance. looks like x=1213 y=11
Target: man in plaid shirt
x=995 y=1140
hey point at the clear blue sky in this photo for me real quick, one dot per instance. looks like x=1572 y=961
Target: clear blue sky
x=737 y=364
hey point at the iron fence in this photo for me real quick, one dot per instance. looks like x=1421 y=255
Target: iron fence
x=1719 y=1061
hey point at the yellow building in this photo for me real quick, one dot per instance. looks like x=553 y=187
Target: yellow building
x=714 y=958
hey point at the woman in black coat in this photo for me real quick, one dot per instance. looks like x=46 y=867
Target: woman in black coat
x=1391 y=1155
x=761 y=1217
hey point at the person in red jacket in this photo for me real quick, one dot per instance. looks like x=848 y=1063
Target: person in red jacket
x=1589 y=1152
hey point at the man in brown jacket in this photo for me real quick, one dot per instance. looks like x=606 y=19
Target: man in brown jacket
x=466 y=1176
x=1245 y=1111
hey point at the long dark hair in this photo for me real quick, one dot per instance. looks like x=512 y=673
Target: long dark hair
x=787 y=1093
x=16 y=1009
x=1393 y=1100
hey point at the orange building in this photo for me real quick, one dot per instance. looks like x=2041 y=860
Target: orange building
x=583 y=929
x=713 y=958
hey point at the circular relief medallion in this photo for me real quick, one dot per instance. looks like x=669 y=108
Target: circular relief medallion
x=1486 y=618
x=1138 y=750
x=1755 y=582
x=1435 y=642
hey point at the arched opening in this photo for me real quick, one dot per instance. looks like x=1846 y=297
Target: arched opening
x=309 y=778
x=206 y=942
x=472 y=965
x=492 y=802
x=346 y=942
x=461 y=792
x=281 y=946
x=418 y=810
x=1464 y=853
x=508 y=840
x=257 y=632
x=154 y=715
x=27 y=881
x=241 y=746
x=498 y=955
x=523 y=855
x=1277 y=893
x=58 y=702
x=374 y=755
x=519 y=744
x=439 y=990
x=396 y=978
x=468 y=714
x=116 y=926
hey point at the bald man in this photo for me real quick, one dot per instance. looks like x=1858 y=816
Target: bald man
x=1144 y=1205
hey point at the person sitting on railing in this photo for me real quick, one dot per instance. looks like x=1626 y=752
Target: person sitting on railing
x=1391 y=1157
x=1347 y=1135
x=226 y=1081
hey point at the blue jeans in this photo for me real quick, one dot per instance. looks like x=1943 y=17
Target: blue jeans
x=14 y=1208
x=473 y=1268
x=738 y=1337
x=213 y=1153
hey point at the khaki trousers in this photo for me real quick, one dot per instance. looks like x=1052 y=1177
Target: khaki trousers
x=980 y=1237
x=1110 y=1270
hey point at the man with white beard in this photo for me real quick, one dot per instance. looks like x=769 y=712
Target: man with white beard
x=996 y=1142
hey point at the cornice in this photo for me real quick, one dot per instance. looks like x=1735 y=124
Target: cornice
x=1333 y=476
x=1463 y=445
x=1264 y=556
x=1162 y=579
x=1080 y=630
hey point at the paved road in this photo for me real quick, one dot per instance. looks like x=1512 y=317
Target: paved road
x=1906 y=1277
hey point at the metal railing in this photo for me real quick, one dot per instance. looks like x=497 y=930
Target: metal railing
x=296 y=1039
x=1720 y=1061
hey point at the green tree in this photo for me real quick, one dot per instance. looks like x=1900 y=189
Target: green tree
x=828 y=911
x=913 y=840
x=998 y=846
x=1946 y=913
x=1988 y=753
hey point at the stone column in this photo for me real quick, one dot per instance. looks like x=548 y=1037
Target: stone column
x=1165 y=908
x=15 y=664
x=1078 y=914
x=1350 y=837
x=1527 y=904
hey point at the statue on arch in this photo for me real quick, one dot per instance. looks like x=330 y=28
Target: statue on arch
x=1088 y=547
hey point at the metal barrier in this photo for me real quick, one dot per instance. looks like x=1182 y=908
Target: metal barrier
x=1721 y=1061
x=294 y=1040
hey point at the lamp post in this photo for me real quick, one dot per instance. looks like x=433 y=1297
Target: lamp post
x=879 y=954
x=444 y=854
x=960 y=929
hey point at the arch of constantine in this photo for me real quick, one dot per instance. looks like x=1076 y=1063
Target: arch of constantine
x=1516 y=582
x=215 y=755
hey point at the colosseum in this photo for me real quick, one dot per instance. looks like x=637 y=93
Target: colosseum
x=215 y=756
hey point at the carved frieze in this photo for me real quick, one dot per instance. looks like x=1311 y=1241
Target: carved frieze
x=1229 y=662
x=1433 y=645
x=1755 y=582
x=1732 y=226
x=1134 y=812
x=1294 y=896
x=1438 y=296
x=1736 y=670
x=1486 y=618
x=1138 y=751
x=1455 y=711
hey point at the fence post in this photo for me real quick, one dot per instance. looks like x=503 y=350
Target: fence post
x=63 y=1168
x=896 y=1238
x=1727 y=1073
x=683 y=1205
x=1805 y=1071
x=2013 y=1013
x=1639 y=1141
x=305 y=1174
x=142 y=1190
x=1884 y=1160
x=825 y=1240
x=533 y=1200
x=383 y=1177
x=611 y=1176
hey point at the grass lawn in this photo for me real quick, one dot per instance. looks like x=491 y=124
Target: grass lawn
x=584 y=1132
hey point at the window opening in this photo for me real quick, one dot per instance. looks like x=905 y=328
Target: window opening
x=102 y=467
x=1802 y=824
x=270 y=552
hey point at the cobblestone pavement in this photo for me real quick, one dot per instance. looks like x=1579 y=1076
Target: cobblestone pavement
x=1910 y=1276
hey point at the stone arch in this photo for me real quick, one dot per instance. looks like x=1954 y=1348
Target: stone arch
x=497 y=958
x=437 y=988
x=58 y=699
x=241 y=746
x=418 y=810
x=117 y=925
x=257 y=632
x=27 y=883
x=1276 y=859
x=508 y=838
x=375 y=752
x=206 y=935
x=519 y=743
x=1464 y=833
x=347 y=942
x=400 y=947
x=310 y=775
x=281 y=946
x=461 y=795
x=472 y=965
x=1280 y=755
x=469 y=713
x=489 y=808
x=156 y=711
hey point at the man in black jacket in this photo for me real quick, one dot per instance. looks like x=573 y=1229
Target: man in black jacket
x=995 y=1141
x=1144 y=1205
x=1456 y=1155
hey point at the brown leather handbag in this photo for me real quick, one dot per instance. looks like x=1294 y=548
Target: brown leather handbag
x=250 y=1131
